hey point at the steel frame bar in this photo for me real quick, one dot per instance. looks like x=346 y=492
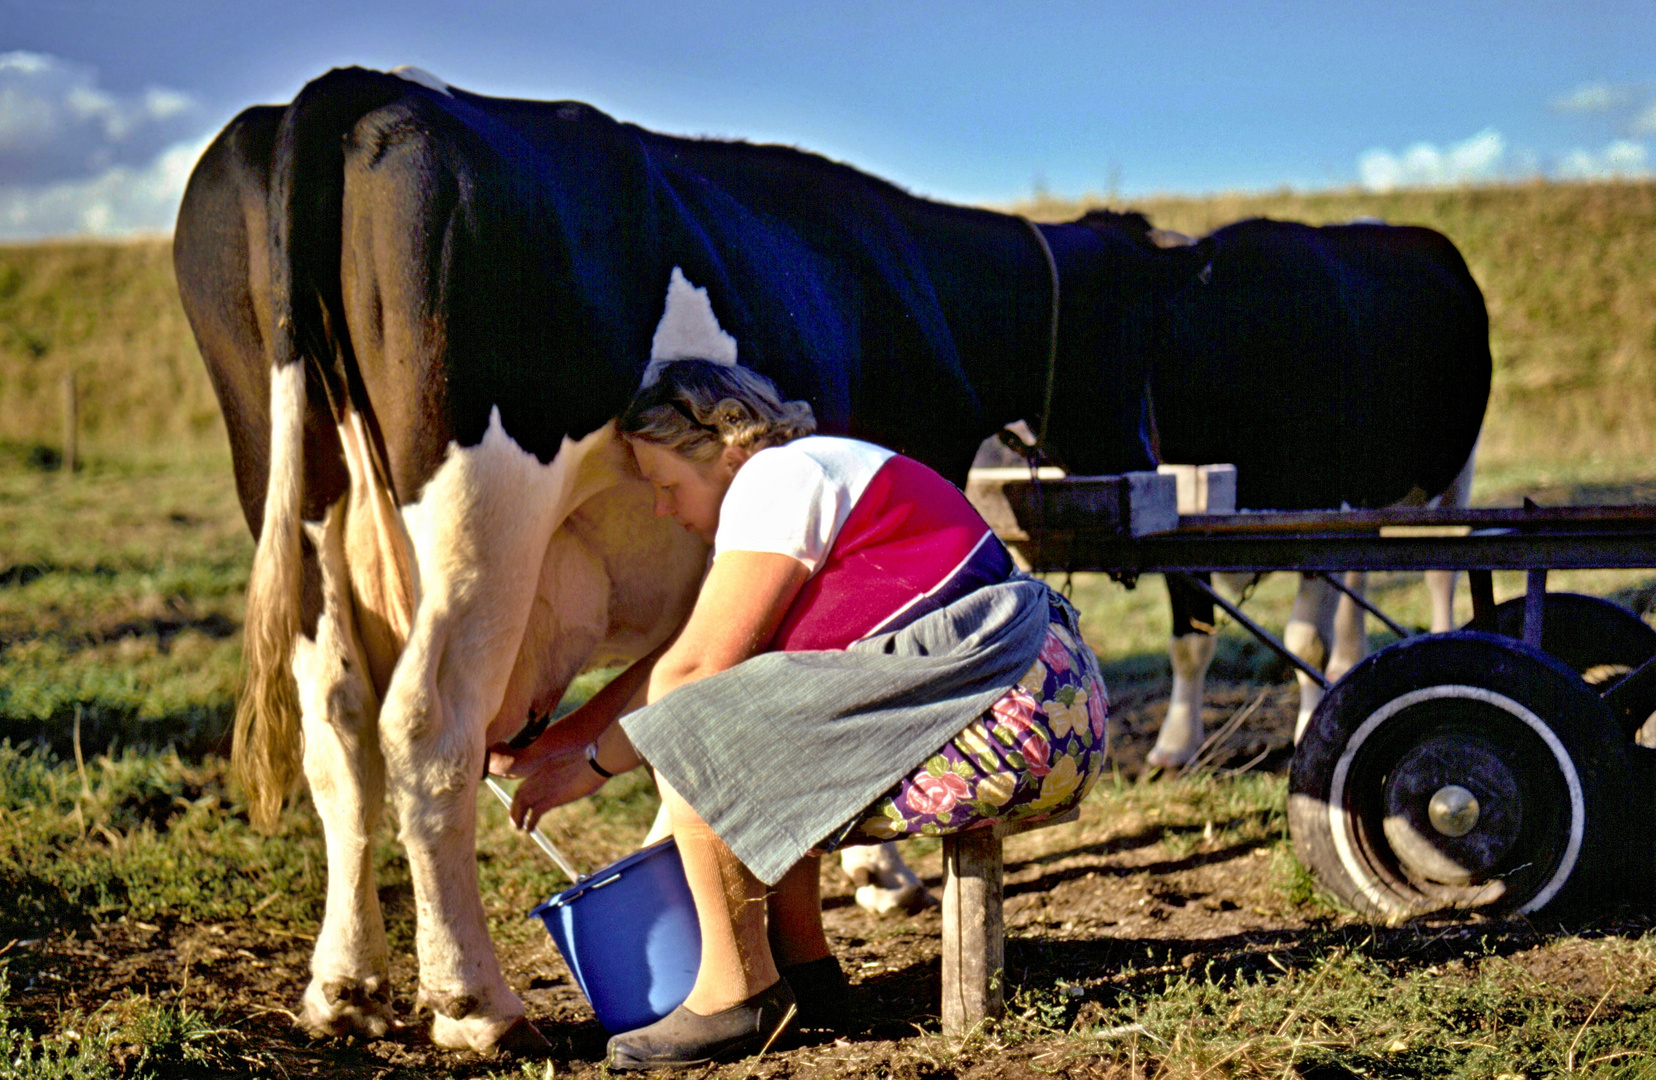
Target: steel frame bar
x=1535 y=606
x=1100 y=550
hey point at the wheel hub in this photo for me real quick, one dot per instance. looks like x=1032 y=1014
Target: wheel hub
x=1453 y=809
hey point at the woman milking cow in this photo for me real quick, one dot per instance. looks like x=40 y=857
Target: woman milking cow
x=862 y=663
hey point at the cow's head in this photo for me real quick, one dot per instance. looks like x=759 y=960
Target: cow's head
x=1101 y=419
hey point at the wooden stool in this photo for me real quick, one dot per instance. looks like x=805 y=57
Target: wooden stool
x=974 y=937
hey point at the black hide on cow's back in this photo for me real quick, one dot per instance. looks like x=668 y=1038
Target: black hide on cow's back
x=1337 y=365
x=432 y=257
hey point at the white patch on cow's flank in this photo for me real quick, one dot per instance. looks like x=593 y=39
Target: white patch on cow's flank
x=688 y=330
x=423 y=77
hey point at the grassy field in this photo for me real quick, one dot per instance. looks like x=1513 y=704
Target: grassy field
x=147 y=930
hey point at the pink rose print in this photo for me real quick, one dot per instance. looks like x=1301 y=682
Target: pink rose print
x=1037 y=753
x=1016 y=709
x=1097 y=710
x=937 y=794
x=1054 y=655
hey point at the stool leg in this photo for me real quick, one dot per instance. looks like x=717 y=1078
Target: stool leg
x=974 y=942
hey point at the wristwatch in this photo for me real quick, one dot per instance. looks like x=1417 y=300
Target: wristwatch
x=592 y=759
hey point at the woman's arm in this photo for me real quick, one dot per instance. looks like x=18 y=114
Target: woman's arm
x=741 y=604
x=569 y=735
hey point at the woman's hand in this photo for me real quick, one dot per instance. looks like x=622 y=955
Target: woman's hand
x=553 y=784
x=571 y=775
x=567 y=738
x=543 y=752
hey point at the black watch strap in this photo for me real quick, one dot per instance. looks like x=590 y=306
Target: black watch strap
x=592 y=760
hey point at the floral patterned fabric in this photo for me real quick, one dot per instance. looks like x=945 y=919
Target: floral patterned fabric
x=1033 y=753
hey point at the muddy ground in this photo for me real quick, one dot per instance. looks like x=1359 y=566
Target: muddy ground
x=1095 y=912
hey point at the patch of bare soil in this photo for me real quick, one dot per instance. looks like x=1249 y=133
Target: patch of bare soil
x=1263 y=742
x=1096 y=912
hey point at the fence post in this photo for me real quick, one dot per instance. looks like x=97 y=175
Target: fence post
x=71 y=424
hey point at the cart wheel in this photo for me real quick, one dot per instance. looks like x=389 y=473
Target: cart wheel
x=1597 y=639
x=1461 y=770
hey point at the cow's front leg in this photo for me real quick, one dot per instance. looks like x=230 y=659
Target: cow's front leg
x=480 y=532
x=1182 y=731
x=350 y=989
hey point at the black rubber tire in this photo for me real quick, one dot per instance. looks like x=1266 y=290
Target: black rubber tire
x=1598 y=639
x=1568 y=769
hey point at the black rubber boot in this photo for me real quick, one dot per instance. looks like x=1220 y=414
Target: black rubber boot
x=823 y=994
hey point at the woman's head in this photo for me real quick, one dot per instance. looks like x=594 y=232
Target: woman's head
x=697 y=408
x=699 y=423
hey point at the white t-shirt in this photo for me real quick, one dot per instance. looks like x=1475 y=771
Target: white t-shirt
x=792 y=499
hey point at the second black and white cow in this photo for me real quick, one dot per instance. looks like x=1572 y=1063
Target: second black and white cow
x=1334 y=366
x=421 y=308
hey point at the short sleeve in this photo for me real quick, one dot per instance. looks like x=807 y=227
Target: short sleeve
x=784 y=503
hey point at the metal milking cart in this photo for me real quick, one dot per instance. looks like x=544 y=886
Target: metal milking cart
x=1494 y=767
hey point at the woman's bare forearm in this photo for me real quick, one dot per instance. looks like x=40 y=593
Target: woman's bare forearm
x=743 y=600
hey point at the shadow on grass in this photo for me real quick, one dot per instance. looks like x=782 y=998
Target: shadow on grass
x=1121 y=970
x=193 y=732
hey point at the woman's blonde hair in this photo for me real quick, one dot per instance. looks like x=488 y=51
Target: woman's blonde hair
x=697 y=408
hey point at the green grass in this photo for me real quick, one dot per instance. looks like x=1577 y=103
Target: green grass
x=1348 y=1009
x=121 y=597
x=155 y=838
x=108 y=313
x=130 y=1037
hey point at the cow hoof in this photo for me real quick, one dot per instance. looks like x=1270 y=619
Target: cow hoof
x=908 y=900
x=489 y=1036
x=1159 y=758
x=347 y=1008
x=523 y=1039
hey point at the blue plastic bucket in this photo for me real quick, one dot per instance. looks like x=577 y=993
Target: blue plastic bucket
x=629 y=935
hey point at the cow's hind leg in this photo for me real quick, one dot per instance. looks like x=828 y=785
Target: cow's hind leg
x=1309 y=636
x=479 y=532
x=1350 y=630
x=350 y=990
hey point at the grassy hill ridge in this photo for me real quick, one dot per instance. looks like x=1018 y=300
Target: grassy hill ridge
x=1568 y=271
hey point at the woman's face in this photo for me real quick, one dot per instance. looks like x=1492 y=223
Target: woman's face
x=686 y=490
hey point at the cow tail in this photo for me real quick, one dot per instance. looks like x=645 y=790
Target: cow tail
x=305 y=226
x=268 y=741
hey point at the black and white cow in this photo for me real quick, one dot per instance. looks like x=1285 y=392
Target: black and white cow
x=1342 y=365
x=421 y=308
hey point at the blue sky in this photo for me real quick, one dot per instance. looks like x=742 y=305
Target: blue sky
x=104 y=105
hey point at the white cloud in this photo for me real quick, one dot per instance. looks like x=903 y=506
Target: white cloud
x=57 y=123
x=119 y=201
x=1592 y=97
x=1644 y=123
x=1425 y=165
x=1622 y=158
